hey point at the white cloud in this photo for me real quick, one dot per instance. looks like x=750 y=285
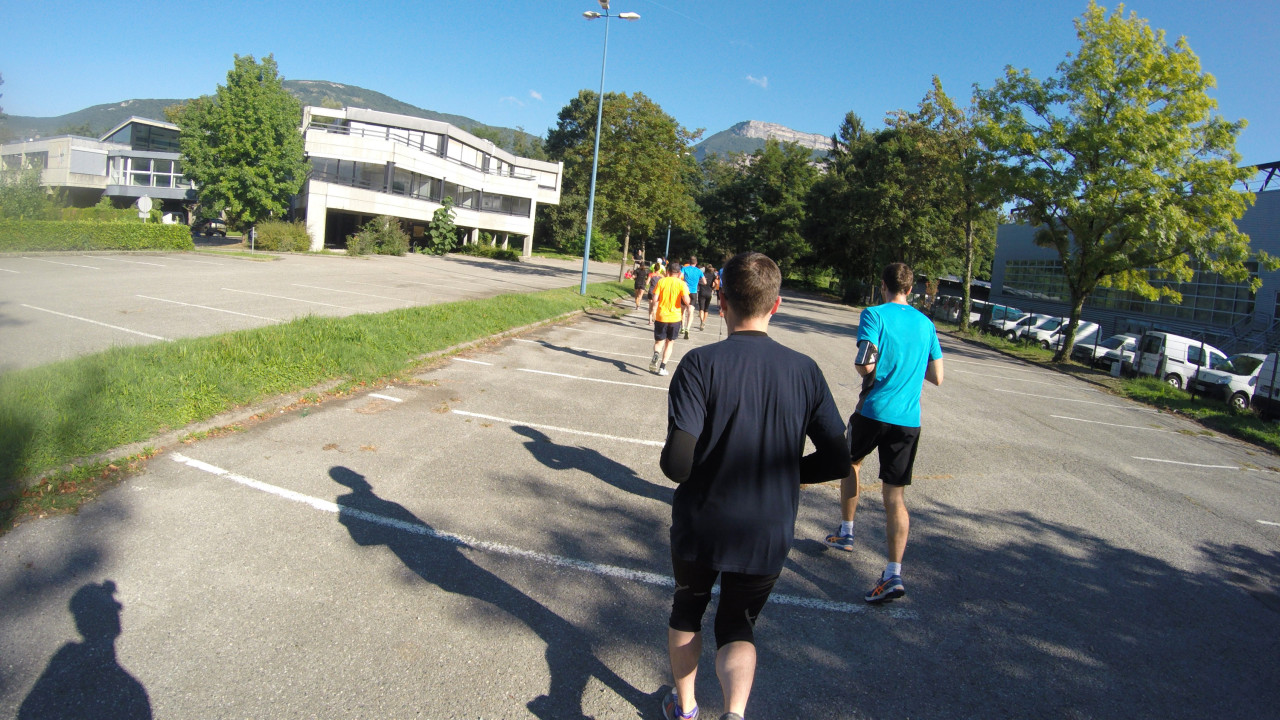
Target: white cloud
x=535 y=94
x=762 y=81
x=512 y=99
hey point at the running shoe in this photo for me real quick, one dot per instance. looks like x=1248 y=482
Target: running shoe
x=653 y=366
x=731 y=716
x=840 y=542
x=686 y=333
x=663 y=371
x=887 y=589
x=671 y=708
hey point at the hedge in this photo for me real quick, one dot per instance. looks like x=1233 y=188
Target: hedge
x=35 y=235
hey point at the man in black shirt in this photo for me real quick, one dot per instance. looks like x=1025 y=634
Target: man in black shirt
x=738 y=414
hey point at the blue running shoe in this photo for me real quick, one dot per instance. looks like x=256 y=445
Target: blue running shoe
x=887 y=589
x=671 y=708
x=839 y=541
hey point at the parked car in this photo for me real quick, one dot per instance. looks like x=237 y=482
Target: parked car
x=1016 y=330
x=1002 y=318
x=1174 y=358
x=209 y=227
x=1117 y=348
x=1266 y=393
x=1232 y=381
x=1052 y=340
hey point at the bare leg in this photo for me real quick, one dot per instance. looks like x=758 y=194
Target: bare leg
x=684 y=648
x=736 y=668
x=897 y=522
x=666 y=351
x=849 y=492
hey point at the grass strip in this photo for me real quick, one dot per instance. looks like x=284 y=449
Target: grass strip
x=1212 y=414
x=58 y=413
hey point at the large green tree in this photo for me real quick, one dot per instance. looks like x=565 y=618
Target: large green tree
x=1121 y=161
x=645 y=166
x=241 y=146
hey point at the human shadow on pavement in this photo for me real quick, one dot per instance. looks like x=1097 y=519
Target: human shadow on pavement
x=437 y=558
x=621 y=365
x=84 y=679
x=565 y=457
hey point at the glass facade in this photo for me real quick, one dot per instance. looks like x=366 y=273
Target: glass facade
x=140 y=136
x=420 y=187
x=147 y=172
x=1207 y=298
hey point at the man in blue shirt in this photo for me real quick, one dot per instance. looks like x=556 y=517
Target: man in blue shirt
x=692 y=279
x=897 y=351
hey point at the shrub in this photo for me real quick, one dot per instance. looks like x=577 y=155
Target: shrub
x=489 y=251
x=442 y=234
x=604 y=246
x=381 y=235
x=22 y=197
x=280 y=236
x=29 y=235
x=104 y=211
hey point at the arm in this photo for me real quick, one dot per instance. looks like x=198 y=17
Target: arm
x=933 y=373
x=830 y=459
x=677 y=454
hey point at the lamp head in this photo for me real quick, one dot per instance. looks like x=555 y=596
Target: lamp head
x=629 y=16
x=604 y=5
x=591 y=15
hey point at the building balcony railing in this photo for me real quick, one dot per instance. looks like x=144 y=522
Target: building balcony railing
x=475 y=201
x=402 y=138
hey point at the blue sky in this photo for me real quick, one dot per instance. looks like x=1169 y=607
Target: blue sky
x=517 y=62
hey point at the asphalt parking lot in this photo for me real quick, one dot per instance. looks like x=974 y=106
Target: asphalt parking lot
x=58 y=306
x=490 y=542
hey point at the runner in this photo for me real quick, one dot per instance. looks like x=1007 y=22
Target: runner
x=641 y=274
x=897 y=351
x=670 y=298
x=692 y=278
x=738 y=414
x=710 y=284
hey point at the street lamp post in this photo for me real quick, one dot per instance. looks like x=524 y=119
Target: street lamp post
x=595 y=156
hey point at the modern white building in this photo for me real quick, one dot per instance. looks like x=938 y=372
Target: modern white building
x=139 y=157
x=366 y=163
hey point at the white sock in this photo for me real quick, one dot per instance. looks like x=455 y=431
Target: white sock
x=892 y=569
x=846 y=527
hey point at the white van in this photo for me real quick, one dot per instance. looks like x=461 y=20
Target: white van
x=1266 y=393
x=1052 y=338
x=1232 y=381
x=1174 y=358
x=1115 y=349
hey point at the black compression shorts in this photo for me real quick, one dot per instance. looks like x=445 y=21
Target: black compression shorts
x=742 y=597
x=704 y=301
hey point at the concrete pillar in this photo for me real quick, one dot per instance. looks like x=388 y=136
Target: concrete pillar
x=316 y=212
x=473 y=236
x=527 y=251
x=505 y=238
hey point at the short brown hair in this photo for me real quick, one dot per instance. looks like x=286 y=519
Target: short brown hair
x=898 y=278
x=750 y=282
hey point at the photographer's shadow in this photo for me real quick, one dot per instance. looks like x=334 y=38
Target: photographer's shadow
x=571 y=661
x=83 y=679
x=568 y=457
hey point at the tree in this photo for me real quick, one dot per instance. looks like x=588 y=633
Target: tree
x=442 y=234
x=84 y=129
x=1121 y=162
x=22 y=197
x=241 y=146
x=644 y=169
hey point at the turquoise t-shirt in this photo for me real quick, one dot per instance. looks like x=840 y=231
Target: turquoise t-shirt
x=907 y=341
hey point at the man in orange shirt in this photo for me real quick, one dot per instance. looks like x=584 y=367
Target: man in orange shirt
x=670 y=298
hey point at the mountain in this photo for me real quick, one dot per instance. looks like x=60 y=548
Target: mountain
x=101 y=118
x=747 y=137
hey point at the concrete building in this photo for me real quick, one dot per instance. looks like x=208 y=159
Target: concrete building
x=366 y=163
x=139 y=157
x=1228 y=315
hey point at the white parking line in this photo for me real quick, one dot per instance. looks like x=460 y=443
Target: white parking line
x=612 y=571
x=1189 y=464
x=1062 y=399
x=544 y=343
x=650 y=443
x=206 y=307
x=15 y=272
x=663 y=388
x=284 y=297
x=350 y=292
x=95 y=322
x=55 y=262
x=1268 y=522
x=386 y=397
x=473 y=362
x=1099 y=422
x=1002 y=366
x=132 y=262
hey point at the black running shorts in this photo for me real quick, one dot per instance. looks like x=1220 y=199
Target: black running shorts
x=704 y=302
x=666 y=331
x=742 y=597
x=897 y=445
